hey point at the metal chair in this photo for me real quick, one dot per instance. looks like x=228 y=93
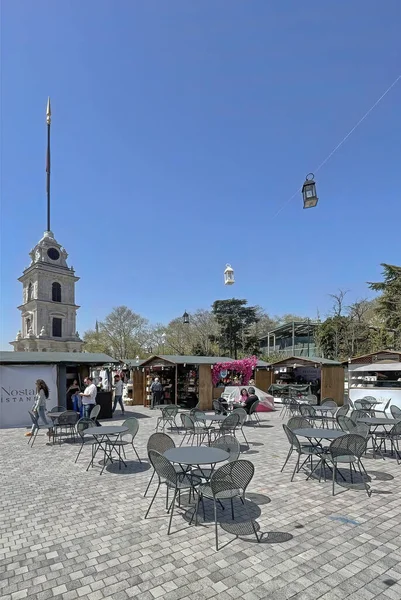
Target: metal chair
x=191 y=429
x=95 y=413
x=253 y=413
x=312 y=399
x=298 y=423
x=133 y=426
x=168 y=415
x=160 y=442
x=395 y=412
x=310 y=413
x=65 y=425
x=345 y=423
x=342 y=411
x=393 y=436
x=228 y=482
x=348 y=449
x=169 y=477
x=82 y=425
x=243 y=415
x=307 y=450
x=230 y=424
x=219 y=408
x=383 y=411
x=359 y=414
x=58 y=409
x=229 y=444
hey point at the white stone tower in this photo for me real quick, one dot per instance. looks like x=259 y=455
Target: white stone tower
x=48 y=311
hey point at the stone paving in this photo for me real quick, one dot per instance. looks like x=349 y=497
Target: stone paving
x=67 y=533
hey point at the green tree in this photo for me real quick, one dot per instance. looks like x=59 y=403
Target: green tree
x=234 y=319
x=123 y=332
x=97 y=342
x=389 y=301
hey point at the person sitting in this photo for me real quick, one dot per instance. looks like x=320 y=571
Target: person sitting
x=250 y=401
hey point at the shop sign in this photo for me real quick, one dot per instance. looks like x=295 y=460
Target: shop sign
x=18 y=389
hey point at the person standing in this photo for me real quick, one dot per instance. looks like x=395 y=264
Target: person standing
x=156 y=390
x=118 y=393
x=88 y=396
x=72 y=393
x=39 y=408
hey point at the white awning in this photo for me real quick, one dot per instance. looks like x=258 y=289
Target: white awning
x=395 y=366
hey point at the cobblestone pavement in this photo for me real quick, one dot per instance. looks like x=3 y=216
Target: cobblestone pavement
x=67 y=533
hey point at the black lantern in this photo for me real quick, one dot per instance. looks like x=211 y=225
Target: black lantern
x=309 y=192
x=185 y=318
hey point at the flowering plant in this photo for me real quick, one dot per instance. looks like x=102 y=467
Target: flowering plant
x=245 y=366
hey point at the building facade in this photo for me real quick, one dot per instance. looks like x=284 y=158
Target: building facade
x=48 y=311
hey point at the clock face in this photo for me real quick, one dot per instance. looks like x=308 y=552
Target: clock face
x=53 y=253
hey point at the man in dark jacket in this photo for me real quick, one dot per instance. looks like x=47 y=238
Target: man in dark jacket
x=156 y=390
x=252 y=398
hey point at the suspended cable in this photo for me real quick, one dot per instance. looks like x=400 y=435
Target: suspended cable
x=340 y=144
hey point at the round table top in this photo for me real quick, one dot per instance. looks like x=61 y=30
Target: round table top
x=325 y=408
x=377 y=420
x=215 y=417
x=196 y=455
x=319 y=432
x=372 y=402
x=106 y=430
x=54 y=414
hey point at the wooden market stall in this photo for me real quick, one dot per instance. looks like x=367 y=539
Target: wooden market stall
x=377 y=374
x=20 y=370
x=185 y=379
x=325 y=376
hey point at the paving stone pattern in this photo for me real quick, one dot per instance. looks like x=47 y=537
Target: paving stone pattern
x=67 y=533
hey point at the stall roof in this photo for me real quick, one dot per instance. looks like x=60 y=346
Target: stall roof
x=81 y=358
x=191 y=360
x=378 y=367
x=316 y=360
x=390 y=355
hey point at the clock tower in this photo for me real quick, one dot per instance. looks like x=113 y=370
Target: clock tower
x=48 y=311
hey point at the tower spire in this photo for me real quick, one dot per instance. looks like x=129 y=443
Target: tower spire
x=48 y=121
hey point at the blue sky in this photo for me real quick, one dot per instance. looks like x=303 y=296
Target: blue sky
x=180 y=129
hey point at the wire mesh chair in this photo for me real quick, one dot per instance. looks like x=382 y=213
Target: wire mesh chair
x=348 y=449
x=219 y=408
x=395 y=412
x=229 y=444
x=168 y=476
x=228 y=482
x=133 y=426
x=342 y=411
x=360 y=414
x=58 y=409
x=329 y=402
x=82 y=426
x=243 y=415
x=199 y=418
x=65 y=425
x=35 y=423
x=95 y=412
x=253 y=413
x=307 y=450
x=167 y=417
x=298 y=423
x=345 y=423
x=311 y=398
x=383 y=411
x=192 y=430
x=229 y=425
x=393 y=436
x=310 y=413
x=160 y=442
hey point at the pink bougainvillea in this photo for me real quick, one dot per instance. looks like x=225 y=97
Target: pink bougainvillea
x=245 y=366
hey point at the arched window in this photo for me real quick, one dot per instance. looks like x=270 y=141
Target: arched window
x=30 y=290
x=56 y=292
x=57 y=327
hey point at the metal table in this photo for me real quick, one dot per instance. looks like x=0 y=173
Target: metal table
x=378 y=420
x=319 y=433
x=189 y=456
x=106 y=438
x=215 y=417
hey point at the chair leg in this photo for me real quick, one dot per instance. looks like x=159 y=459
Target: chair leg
x=150 y=481
x=153 y=499
x=172 y=512
x=246 y=441
x=34 y=436
x=136 y=452
x=334 y=475
x=80 y=450
x=287 y=459
x=215 y=525
x=296 y=468
x=232 y=509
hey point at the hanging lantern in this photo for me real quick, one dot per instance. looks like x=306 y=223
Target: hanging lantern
x=229 y=275
x=185 y=318
x=309 y=192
